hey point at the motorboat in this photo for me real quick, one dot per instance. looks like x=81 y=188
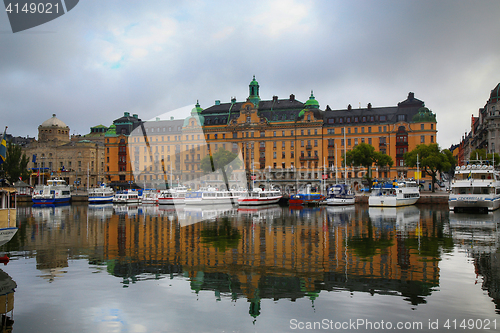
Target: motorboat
x=395 y=194
x=340 y=195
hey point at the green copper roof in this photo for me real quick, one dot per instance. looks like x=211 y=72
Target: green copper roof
x=424 y=115
x=301 y=113
x=197 y=109
x=254 y=82
x=111 y=131
x=312 y=103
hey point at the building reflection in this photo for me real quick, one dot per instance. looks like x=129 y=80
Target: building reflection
x=478 y=235
x=257 y=253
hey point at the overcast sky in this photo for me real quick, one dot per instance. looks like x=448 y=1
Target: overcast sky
x=149 y=57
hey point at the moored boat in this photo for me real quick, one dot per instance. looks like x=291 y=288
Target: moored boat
x=149 y=196
x=101 y=194
x=397 y=193
x=210 y=196
x=475 y=187
x=56 y=191
x=259 y=196
x=172 y=196
x=126 y=196
x=339 y=195
x=306 y=197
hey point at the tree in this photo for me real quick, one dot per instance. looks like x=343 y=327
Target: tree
x=480 y=154
x=16 y=164
x=432 y=160
x=365 y=155
x=222 y=160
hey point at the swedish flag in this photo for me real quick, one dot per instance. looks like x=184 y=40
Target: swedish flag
x=3 y=147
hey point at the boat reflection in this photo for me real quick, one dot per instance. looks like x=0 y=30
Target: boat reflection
x=7 y=289
x=475 y=232
x=52 y=216
x=102 y=211
x=405 y=218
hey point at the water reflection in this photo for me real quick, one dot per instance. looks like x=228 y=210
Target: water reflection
x=7 y=289
x=478 y=235
x=262 y=253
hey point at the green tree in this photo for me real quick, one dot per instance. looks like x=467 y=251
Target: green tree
x=15 y=165
x=365 y=155
x=432 y=160
x=480 y=154
x=222 y=160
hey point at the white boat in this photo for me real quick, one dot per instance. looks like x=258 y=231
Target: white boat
x=395 y=194
x=126 y=196
x=405 y=218
x=101 y=194
x=56 y=191
x=210 y=196
x=149 y=196
x=475 y=187
x=172 y=196
x=260 y=197
x=339 y=195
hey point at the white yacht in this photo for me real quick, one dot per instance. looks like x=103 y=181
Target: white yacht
x=395 y=194
x=210 y=196
x=475 y=187
x=172 y=196
x=127 y=196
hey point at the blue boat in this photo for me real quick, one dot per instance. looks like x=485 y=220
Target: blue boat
x=306 y=198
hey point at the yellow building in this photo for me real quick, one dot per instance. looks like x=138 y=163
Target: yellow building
x=283 y=141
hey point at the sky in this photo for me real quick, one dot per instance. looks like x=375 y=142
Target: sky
x=104 y=58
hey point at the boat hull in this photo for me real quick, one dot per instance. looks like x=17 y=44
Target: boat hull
x=386 y=201
x=50 y=201
x=473 y=202
x=340 y=201
x=258 y=201
x=103 y=199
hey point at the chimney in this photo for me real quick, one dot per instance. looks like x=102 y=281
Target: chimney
x=292 y=98
x=275 y=98
x=171 y=118
x=411 y=95
x=136 y=116
x=126 y=114
x=349 y=107
x=217 y=102
x=369 y=106
x=233 y=100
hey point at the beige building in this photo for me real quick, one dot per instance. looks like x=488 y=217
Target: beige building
x=77 y=160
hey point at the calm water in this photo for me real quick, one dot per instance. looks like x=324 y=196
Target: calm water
x=102 y=268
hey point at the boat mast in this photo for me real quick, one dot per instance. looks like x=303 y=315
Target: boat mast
x=345 y=160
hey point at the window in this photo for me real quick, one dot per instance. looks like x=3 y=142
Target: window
x=401 y=117
x=283 y=144
x=355 y=130
x=282 y=154
x=274 y=144
x=369 y=129
x=315 y=143
x=292 y=144
x=432 y=138
x=369 y=141
x=362 y=129
x=382 y=118
x=348 y=142
x=422 y=138
x=282 y=133
x=262 y=134
x=274 y=154
x=292 y=155
x=274 y=133
x=302 y=143
x=421 y=126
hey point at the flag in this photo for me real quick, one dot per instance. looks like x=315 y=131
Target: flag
x=3 y=147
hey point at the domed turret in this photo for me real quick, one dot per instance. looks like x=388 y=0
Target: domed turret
x=196 y=115
x=312 y=103
x=254 y=92
x=495 y=94
x=53 y=129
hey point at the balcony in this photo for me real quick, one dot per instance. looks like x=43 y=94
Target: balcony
x=330 y=158
x=262 y=160
x=309 y=147
x=309 y=158
x=262 y=148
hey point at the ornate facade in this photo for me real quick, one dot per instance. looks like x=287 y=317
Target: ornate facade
x=288 y=142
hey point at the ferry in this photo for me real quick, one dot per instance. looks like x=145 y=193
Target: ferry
x=339 y=195
x=210 y=196
x=260 y=197
x=475 y=187
x=127 y=196
x=306 y=198
x=56 y=191
x=101 y=194
x=172 y=196
x=395 y=194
